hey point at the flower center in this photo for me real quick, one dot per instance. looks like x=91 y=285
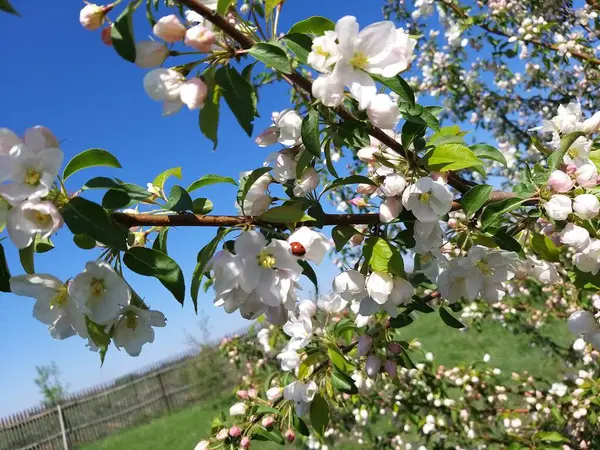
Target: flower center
x=32 y=177
x=42 y=219
x=266 y=260
x=97 y=288
x=359 y=60
x=131 y=320
x=483 y=267
x=425 y=197
x=319 y=51
x=60 y=298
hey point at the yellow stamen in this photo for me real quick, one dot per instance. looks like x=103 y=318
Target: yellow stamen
x=425 y=197
x=32 y=177
x=319 y=51
x=131 y=320
x=483 y=267
x=97 y=288
x=359 y=60
x=266 y=260
x=60 y=298
x=42 y=219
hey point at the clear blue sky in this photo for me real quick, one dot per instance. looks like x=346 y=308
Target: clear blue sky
x=56 y=74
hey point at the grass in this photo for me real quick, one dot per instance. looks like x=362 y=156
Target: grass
x=509 y=352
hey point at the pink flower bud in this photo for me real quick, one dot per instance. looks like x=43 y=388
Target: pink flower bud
x=290 y=436
x=252 y=393
x=391 y=368
x=364 y=345
x=560 y=181
x=92 y=16
x=106 y=37
x=235 y=431
x=200 y=38
x=367 y=154
x=365 y=189
x=358 y=201
x=222 y=434
x=372 y=366
x=193 y=93
x=242 y=394
x=587 y=176
x=452 y=223
x=357 y=239
x=394 y=348
x=267 y=421
x=245 y=443
x=169 y=29
x=150 y=54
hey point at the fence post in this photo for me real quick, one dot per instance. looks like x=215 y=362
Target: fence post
x=164 y=391
x=63 y=431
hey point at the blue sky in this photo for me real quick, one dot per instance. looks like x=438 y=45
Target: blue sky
x=61 y=76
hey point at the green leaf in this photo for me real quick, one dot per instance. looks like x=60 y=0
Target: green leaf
x=4 y=272
x=7 y=7
x=179 y=200
x=160 y=179
x=42 y=245
x=319 y=414
x=27 y=259
x=300 y=425
x=270 y=6
x=122 y=36
x=202 y=206
x=550 y=436
x=495 y=211
x=485 y=151
x=267 y=410
x=207 y=180
x=309 y=273
x=310 y=133
x=262 y=434
x=328 y=161
x=247 y=182
x=449 y=319
x=133 y=191
x=210 y=113
x=304 y=161
x=384 y=257
x=475 y=198
x=352 y=134
x=343 y=383
x=342 y=234
x=447 y=135
x=239 y=95
x=203 y=259
x=448 y=157
x=352 y=179
x=84 y=216
x=160 y=243
x=556 y=158
x=99 y=336
x=505 y=241
x=272 y=56
x=153 y=263
x=300 y=45
x=114 y=199
x=397 y=85
x=223 y=6
x=285 y=214
x=90 y=158
x=595 y=157
x=84 y=241
x=316 y=25
x=403 y=320
x=544 y=247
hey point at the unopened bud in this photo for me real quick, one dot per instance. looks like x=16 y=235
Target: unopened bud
x=372 y=366
x=92 y=16
x=453 y=223
x=243 y=394
x=394 y=348
x=245 y=443
x=235 y=431
x=364 y=345
x=290 y=436
x=252 y=393
x=267 y=421
x=391 y=368
x=106 y=37
x=222 y=434
x=200 y=38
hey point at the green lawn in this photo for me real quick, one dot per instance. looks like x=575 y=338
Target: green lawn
x=184 y=429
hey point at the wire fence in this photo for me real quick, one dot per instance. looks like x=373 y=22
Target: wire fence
x=129 y=401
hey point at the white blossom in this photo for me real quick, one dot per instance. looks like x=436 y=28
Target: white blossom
x=134 y=328
x=29 y=218
x=331 y=303
x=575 y=236
x=427 y=199
x=150 y=54
x=308 y=182
x=324 y=52
x=301 y=394
x=558 y=207
x=350 y=285
x=586 y=206
x=314 y=245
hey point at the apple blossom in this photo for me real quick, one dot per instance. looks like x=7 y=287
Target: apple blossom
x=164 y=85
x=558 y=207
x=383 y=112
x=385 y=292
x=350 y=285
x=100 y=292
x=307 y=183
x=542 y=271
x=29 y=218
x=284 y=166
x=288 y=359
x=329 y=89
x=237 y=409
x=428 y=236
x=324 y=52
x=400 y=56
x=592 y=124
x=149 y=54
x=300 y=330
x=200 y=38
x=427 y=199
x=588 y=259
x=390 y=209
x=560 y=181
x=92 y=16
x=363 y=384
x=586 y=206
x=587 y=175
x=301 y=394
x=202 y=445
x=582 y=323
x=193 y=93
x=575 y=236
x=331 y=303
x=53 y=306
x=314 y=245
x=134 y=328
x=169 y=29
x=286 y=129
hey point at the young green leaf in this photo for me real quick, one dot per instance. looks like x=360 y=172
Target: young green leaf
x=26 y=257
x=160 y=179
x=239 y=95
x=122 y=36
x=299 y=44
x=179 y=200
x=210 y=113
x=342 y=234
x=316 y=25
x=7 y=7
x=475 y=198
x=209 y=179
x=223 y=6
x=544 y=247
x=485 y=151
x=160 y=243
x=399 y=86
x=153 y=263
x=202 y=206
x=285 y=214
x=310 y=133
x=384 y=257
x=99 y=336
x=448 y=157
x=495 y=211
x=247 y=182
x=90 y=158
x=273 y=435
x=272 y=56
x=352 y=179
x=84 y=242
x=4 y=272
x=84 y=216
x=449 y=319
x=556 y=158
x=319 y=414
x=343 y=382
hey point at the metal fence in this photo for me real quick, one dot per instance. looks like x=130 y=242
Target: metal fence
x=136 y=399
